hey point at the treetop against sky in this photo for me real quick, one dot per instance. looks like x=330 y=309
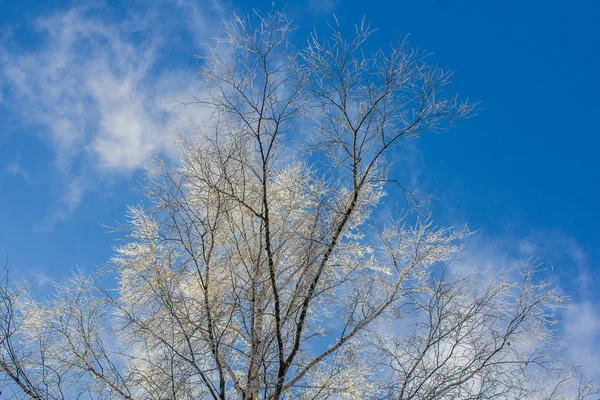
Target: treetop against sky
x=89 y=92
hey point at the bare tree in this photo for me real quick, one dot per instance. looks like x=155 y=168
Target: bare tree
x=61 y=348
x=469 y=342
x=26 y=370
x=260 y=267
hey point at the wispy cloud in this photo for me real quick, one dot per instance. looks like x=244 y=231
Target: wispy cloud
x=582 y=326
x=323 y=6
x=15 y=168
x=97 y=86
x=569 y=264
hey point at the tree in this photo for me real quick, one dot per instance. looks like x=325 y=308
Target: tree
x=261 y=267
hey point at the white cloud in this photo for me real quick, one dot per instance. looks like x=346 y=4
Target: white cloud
x=17 y=169
x=323 y=6
x=569 y=266
x=72 y=194
x=41 y=279
x=98 y=86
x=582 y=326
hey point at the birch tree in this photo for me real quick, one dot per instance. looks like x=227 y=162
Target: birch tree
x=261 y=265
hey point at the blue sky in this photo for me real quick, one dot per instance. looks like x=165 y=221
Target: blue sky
x=85 y=90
